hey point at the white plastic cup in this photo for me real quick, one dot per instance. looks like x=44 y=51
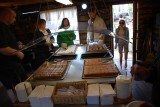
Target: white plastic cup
x=123 y=86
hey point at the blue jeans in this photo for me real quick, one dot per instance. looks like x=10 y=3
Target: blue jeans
x=142 y=90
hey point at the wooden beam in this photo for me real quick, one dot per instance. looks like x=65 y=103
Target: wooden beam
x=9 y=3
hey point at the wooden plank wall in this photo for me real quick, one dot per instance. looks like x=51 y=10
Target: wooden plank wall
x=144 y=25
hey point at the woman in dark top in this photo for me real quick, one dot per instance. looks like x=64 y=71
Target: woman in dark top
x=44 y=48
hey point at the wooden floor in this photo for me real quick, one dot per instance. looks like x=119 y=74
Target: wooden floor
x=129 y=62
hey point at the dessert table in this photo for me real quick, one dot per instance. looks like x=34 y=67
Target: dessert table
x=74 y=71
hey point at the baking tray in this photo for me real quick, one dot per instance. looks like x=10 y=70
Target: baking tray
x=62 y=51
x=55 y=58
x=97 y=55
x=95 y=77
x=31 y=78
x=104 y=49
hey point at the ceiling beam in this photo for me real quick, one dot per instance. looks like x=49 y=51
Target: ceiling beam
x=9 y=3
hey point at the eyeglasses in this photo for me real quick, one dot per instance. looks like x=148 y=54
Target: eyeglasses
x=121 y=23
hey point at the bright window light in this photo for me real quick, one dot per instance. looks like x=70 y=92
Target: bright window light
x=66 y=2
x=84 y=6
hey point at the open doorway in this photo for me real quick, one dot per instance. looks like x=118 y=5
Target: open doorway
x=123 y=11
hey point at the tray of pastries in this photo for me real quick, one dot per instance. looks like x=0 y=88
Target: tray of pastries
x=51 y=70
x=92 y=48
x=98 y=68
x=70 y=50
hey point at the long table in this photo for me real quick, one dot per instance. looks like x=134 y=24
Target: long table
x=74 y=72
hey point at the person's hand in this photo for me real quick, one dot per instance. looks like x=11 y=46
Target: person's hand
x=100 y=37
x=70 y=38
x=140 y=72
x=20 y=45
x=20 y=55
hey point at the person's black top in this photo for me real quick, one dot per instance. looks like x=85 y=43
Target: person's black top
x=42 y=51
x=11 y=69
x=7 y=38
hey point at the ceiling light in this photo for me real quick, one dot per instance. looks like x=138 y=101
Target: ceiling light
x=84 y=6
x=66 y=2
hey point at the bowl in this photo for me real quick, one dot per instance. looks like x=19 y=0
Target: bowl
x=138 y=104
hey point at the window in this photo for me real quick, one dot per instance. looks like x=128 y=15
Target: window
x=54 y=19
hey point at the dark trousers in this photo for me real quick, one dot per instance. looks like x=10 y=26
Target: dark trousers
x=12 y=73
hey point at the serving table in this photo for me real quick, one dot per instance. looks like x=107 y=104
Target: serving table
x=74 y=72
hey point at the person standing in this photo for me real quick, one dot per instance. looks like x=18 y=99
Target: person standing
x=44 y=48
x=65 y=35
x=123 y=32
x=11 y=69
x=95 y=22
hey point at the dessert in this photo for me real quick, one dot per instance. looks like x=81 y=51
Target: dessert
x=51 y=70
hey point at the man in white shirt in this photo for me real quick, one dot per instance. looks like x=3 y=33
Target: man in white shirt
x=95 y=22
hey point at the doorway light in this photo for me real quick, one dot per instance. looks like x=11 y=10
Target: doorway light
x=65 y=2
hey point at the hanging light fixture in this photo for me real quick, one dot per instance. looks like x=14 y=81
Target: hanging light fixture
x=65 y=2
x=84 y=6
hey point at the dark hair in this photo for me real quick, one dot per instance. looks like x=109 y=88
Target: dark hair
x=91 y=9
x=122 y=22
x=41 y=21
x=140 y=62
x=62 y=23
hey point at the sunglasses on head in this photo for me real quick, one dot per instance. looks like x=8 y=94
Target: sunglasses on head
x=121 y=23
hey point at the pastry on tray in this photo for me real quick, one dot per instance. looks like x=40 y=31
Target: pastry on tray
x=51 y=70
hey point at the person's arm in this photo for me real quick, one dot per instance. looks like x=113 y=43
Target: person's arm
x=59 y=40
x=38 y=35
x=73 y=35
x=8 y=51
x=100 y=25
x=116 y=39
x=127 y=33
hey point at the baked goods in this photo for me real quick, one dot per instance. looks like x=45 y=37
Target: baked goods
x=98 y=68
x=70 y=50
x=51 y=70
x=96 y=47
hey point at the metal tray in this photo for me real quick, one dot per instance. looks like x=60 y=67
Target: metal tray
x=95 y=77
x=55 y=58
x=31 y=78
x=105 y=49
x=62 y=51
x=97 y=55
